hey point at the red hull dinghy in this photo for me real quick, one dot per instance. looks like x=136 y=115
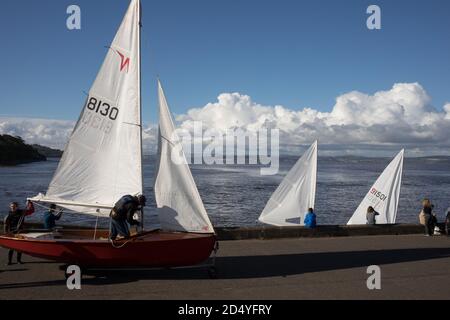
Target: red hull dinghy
x=151 y=249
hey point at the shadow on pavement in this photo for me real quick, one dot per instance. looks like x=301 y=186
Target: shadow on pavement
x=245 y=267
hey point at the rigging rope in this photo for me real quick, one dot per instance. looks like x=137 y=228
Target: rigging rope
x=112 y=241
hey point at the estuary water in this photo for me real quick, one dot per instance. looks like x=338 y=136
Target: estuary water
x=235 y=195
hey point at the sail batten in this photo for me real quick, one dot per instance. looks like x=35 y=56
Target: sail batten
x=103 y=158
x=180 y=207
x=296 y=193
x=383 y=196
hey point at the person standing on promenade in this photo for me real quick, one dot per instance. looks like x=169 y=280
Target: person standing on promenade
x=371 y=216
x=310 y=219
x=427 y=211
x=13 y=224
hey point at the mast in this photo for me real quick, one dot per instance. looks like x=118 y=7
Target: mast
x=140 y=106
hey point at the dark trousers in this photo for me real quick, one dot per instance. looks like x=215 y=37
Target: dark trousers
x=429 y=225
x=119 y=227
x=10 y=256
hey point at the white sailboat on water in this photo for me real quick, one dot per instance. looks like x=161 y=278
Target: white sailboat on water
x=296 y=193
x=383 y=196
x=103 y=162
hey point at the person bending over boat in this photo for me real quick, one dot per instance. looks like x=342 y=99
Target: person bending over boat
x=13 y=224
x=310 y=219
x=122 y=213
x=50 y=217
x=371 y=216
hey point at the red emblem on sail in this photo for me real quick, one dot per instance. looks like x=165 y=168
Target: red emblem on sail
x=124 y=63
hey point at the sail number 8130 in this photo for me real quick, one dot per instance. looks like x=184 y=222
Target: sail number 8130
x=102 y=108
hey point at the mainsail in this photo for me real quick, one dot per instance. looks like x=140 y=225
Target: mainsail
x=383 y=196
x=103 y=158
x=180 y=207
x=296 y=193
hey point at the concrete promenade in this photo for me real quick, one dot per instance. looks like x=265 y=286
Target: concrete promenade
x=412 y=267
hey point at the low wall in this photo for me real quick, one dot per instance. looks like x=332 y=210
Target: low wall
x=319 y=232
x=269 y=232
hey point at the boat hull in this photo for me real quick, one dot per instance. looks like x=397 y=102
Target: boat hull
x=155 y=249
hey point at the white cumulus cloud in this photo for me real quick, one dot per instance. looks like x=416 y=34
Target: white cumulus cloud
x=401 y=116
x=359 y=123
x=51 y=133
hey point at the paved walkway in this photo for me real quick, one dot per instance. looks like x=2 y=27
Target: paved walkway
x=412 y=267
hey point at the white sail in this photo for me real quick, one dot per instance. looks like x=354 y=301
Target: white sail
x=180 y=207
x=383 y=196
x=296 y=193
x=102 y=160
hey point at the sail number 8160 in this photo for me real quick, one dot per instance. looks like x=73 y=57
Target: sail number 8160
x=102 y=108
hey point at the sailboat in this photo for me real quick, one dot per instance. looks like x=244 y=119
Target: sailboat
x=383 y=196
x=103 y=162
x=295 y=195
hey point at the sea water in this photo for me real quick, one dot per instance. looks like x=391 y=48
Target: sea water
x=235 y=195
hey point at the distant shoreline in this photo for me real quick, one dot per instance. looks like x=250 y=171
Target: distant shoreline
x=14 y=151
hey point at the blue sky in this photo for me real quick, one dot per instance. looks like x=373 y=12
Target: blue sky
x=289 y=52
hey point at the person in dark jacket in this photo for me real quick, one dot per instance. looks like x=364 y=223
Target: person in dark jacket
x=371 y=216
x=51 y=216
x=428 y=212
x=123 y=213
x=13 y=224
x=310 y=219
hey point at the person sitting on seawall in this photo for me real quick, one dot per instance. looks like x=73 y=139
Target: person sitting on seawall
x=123 y=212
x=371 y=216
x=434 y=224
x=13 y=224
x=310 y=219
x=50 y=217
x=427 y=212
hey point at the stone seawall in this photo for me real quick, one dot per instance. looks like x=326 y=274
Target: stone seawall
x=268 y=232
